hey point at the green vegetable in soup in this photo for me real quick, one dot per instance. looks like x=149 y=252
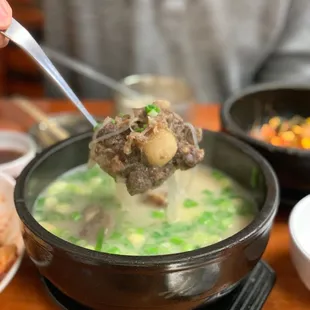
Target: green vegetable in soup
x=151 y=250
x=176 y=241
x=158 y=214
x=76 y=216
x=207 y=192
x=217 y=175
x=205 y=215
x=190 y=203
x=99 y=241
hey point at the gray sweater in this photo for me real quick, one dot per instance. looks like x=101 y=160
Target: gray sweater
x=218 y=46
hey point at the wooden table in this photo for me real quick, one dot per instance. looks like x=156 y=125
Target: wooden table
x=27 y=293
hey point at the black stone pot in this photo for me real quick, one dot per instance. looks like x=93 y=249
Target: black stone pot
x=179 y=281
x=256 y=105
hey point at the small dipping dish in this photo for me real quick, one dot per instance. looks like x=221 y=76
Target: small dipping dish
x=16 y=151
x=155 y=87
x=300 y=239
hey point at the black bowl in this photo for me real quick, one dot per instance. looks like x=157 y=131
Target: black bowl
x=185 y=280
x=256 y=105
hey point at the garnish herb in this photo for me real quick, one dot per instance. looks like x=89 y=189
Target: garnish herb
x=152 y=110
x=140 y=129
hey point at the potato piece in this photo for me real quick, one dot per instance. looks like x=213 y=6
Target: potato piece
x=160 y=148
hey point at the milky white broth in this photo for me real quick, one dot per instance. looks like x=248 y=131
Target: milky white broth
x=211 y=208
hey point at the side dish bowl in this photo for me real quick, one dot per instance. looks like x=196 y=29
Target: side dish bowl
x=299 y=237
x=256 y=105
x=183 y=281
x=19 y=142
x=11 y=242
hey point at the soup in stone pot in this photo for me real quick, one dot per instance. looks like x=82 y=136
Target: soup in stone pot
x=87 y=208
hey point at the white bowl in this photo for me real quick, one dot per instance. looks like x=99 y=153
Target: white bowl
x=10 y=227
x=299 y=226
x=17 y=141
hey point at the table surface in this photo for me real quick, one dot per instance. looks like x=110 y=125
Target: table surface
x=27 y=292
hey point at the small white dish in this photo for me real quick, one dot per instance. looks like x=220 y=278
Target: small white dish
x=20 y=142
x=10 y=227
x=299 y=227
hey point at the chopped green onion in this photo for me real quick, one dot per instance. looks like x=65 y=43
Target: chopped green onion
x=76 y=216
x=99 y=241
x=140 y=230
x=177 y=240
x=152 y=110
x=158 y=214
x=152 y=113
x=156 y=235
x=189 y=203
x=150 y=250
x=113 y=121
x=140 y=129
x=205 y=218
x=229 y=191
x=207 y=192
x=217 y=175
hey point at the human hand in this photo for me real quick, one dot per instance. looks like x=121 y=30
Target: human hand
x=5 y=20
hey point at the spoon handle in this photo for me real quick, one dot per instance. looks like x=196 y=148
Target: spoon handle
x=21 y=37
x=90 y=72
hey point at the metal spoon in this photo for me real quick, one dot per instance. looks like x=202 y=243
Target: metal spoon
x=21 y=37
x=90 y=72
x=135 y=99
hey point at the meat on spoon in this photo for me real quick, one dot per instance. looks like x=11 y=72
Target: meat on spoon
x=144 y=149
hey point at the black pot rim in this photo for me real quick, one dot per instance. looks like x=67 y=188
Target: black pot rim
x=172 y=261
x=233 y=128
